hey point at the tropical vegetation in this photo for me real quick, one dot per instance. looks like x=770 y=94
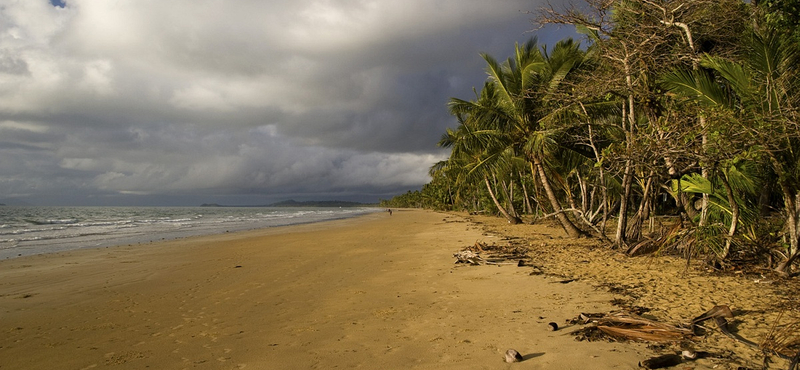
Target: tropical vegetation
x=672 y=127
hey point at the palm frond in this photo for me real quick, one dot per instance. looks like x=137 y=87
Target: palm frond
x=735 y=74
x=497 y=75
x=696 y=85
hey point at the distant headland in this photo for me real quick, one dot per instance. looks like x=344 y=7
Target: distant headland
x=294 y=203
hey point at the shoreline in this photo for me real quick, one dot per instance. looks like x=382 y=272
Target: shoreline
x=375 y=291
x=120 y=226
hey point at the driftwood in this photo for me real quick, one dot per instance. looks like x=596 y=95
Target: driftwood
x=491 y=254
x=470 y=257
x=627 y=326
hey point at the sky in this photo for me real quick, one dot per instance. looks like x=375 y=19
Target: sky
x=184 y=102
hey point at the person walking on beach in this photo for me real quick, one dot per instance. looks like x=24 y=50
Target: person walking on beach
x=390 y=211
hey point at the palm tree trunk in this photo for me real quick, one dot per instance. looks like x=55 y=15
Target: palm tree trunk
x=568 y=226
x=511 y=209
x=528 y=207
x=511 y=219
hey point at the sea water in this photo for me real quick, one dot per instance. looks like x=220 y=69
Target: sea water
x=35 y=230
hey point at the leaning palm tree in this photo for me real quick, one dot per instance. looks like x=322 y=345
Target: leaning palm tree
x=519 y=82
x=479 y=150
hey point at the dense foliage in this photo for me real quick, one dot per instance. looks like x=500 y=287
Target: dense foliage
x=674 y=126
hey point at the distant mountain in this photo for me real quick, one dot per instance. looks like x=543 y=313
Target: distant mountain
x=12 y=202
x=294 y=203
x=317 y=203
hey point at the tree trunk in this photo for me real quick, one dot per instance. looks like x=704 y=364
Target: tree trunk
x=628 y=125
x=508 y=192
x=791 y=203
x=511 y=219
x=704 y=173
x=687 y=204
x=734 y=216
x=792 y=223
x=568 y=226
x=627 y=177
x=604 y=188
x=585 y=199
x=634 y=230
x=764 y=200
x=527 y=203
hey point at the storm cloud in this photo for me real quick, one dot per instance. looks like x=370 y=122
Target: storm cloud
x=184 y=101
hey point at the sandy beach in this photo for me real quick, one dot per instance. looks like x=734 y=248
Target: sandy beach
x=374 y=292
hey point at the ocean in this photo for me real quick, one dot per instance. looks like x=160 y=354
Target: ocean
x=27 y=231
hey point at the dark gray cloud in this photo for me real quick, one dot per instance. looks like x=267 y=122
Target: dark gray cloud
x=186 y=101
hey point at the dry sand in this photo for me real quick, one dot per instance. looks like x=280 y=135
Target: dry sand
x=671 y=291
x=375 y=292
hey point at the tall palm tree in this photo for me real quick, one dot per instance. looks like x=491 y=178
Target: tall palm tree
x=479 y=149
x=513 y=110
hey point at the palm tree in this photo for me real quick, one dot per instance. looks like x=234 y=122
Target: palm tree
x=479 y=149
x=512 y=109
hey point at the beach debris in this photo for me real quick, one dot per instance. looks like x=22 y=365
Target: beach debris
x=491 y=254
x=469 y=257
x=778 y=344
x=552 y=326
x=621 y=325
x=513 y=356
x=628 y=326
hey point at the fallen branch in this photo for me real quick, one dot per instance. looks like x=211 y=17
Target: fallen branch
x=495 y=255
x=627 y=326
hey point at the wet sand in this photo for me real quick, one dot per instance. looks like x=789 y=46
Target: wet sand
x=374 y=292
